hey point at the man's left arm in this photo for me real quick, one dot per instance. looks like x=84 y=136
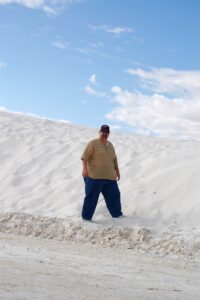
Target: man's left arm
x=116 y=167
x=117 y=173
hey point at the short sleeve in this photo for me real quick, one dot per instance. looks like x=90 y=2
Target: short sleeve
x=88 y=152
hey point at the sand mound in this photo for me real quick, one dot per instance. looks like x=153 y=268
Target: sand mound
x=100 y=233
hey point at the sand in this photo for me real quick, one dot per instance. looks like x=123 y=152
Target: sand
x=48 y=252
x=33 y=268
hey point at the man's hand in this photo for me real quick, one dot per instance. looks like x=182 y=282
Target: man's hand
x=118 y=174
x=85 y=170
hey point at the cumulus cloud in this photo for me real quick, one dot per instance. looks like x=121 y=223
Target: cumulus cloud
x=166 y=80
x=50 y=7
x=170 y=108
x=90 y=90
x=115 y=127
x=93 y=92
x=116 y=90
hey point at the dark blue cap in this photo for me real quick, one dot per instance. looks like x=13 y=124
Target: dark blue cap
x=105 y=128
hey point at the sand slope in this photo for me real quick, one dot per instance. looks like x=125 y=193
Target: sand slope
x=151 y=253
x=41 y=178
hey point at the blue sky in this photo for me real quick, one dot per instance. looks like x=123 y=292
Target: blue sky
x=133 y=64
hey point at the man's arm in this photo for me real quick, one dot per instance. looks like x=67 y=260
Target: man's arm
x=117 y=168
x=117 y=173
x=85 y=170
x=86 y=156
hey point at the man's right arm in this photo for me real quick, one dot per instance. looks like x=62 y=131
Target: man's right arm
x=85 y=170
x=87 y=154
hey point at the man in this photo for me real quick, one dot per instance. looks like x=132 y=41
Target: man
x=100 y=172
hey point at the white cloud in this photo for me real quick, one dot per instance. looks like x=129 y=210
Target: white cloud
x=113 y=30
x=115 y=127
x=116 y=90
x=92 y=51
x=83 y=50
x=3 y=64
x=27 y=3
x=93 y=79
x=170 y=108
x=2 y=108
x=90 y=90
x=60 y=44
x=118 y=30
x=50 y=11
x=93 y=92
x=168 y=81
x=50 y=7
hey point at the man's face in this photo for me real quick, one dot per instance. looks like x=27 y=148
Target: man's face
x=104 y=134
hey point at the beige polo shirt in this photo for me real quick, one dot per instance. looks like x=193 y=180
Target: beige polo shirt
x=101 y=160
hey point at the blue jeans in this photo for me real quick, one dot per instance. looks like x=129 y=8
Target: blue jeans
x=110 y=191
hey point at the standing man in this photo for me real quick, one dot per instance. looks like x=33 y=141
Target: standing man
x=101 y=172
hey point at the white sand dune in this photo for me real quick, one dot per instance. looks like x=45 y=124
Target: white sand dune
x=41 y=175
x=42 y=189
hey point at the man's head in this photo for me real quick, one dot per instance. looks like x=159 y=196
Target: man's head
x=104 y=131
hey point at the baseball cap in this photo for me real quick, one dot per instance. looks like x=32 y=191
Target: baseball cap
x=105 y=128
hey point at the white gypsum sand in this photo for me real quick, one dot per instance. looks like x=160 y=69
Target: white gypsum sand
x=42 y=193
x=32 y=268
